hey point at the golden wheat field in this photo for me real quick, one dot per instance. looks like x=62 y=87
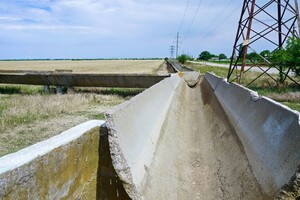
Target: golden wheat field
x=87 y=66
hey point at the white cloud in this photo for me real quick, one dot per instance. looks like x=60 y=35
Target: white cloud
x=147 y=26
x=44 y=27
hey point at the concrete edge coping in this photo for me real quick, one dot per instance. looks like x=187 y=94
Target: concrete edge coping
x=26 y=155
x=123 y=105
x=213 y=79
x=254 y=95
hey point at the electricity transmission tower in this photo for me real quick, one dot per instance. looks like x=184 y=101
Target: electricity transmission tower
x=172 y=50
x=263 y=24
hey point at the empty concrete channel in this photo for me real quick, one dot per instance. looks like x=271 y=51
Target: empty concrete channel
x=196 y=137
x=186 y=144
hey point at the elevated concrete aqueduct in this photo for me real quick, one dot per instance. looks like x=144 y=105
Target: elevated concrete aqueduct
x=196 y=137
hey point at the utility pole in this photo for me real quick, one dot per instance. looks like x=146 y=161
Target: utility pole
x=172 y=50
x=246 y=42
x=177 y=41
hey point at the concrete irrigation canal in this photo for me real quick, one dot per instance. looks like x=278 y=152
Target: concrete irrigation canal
x=196 y=137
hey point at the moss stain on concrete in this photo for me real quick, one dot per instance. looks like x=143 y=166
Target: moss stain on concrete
x=67 y=172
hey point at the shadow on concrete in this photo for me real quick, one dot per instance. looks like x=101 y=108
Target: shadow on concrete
x=109 y=186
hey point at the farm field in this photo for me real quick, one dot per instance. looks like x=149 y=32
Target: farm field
x=87 y=66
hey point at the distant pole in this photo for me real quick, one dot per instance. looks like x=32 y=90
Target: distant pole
x=177 y=41
x=298 y=17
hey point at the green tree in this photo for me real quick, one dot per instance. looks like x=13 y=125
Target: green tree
x=279 y=58
x=222 y=56
x=265 y=53
x=253 y=57
x=293 y=54
x=205 y=55
x=288 y=57
x=183 y=58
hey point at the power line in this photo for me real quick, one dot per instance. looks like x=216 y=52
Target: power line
x=186 y=7
x=203 y=14
x=193 y=19
x=177 y=41
x=219 y=14
x=224 y=20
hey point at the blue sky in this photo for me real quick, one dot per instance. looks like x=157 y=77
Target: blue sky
x=115 y=28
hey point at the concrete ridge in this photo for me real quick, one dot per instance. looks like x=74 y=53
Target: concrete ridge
x=84 y=80
x=26 y=155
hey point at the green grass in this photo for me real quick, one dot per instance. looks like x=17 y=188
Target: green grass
x=278 y=90
x=100 y=116
x=20 y=89
x=288 y=95
x=219 y=71
x=23 y=108
x=21 y=105
x=121 y=92
x=292 y=105
x=221 y=61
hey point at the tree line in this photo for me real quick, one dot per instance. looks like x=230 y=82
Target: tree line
x=204 y=55
x=283 y=58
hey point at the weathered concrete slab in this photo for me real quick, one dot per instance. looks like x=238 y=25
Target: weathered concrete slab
x=84 y=80
x=133 y=149
x=269 y=132
x=73 y=165
x=63 y=167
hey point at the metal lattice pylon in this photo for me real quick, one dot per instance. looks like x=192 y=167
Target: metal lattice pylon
x=262 y=25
